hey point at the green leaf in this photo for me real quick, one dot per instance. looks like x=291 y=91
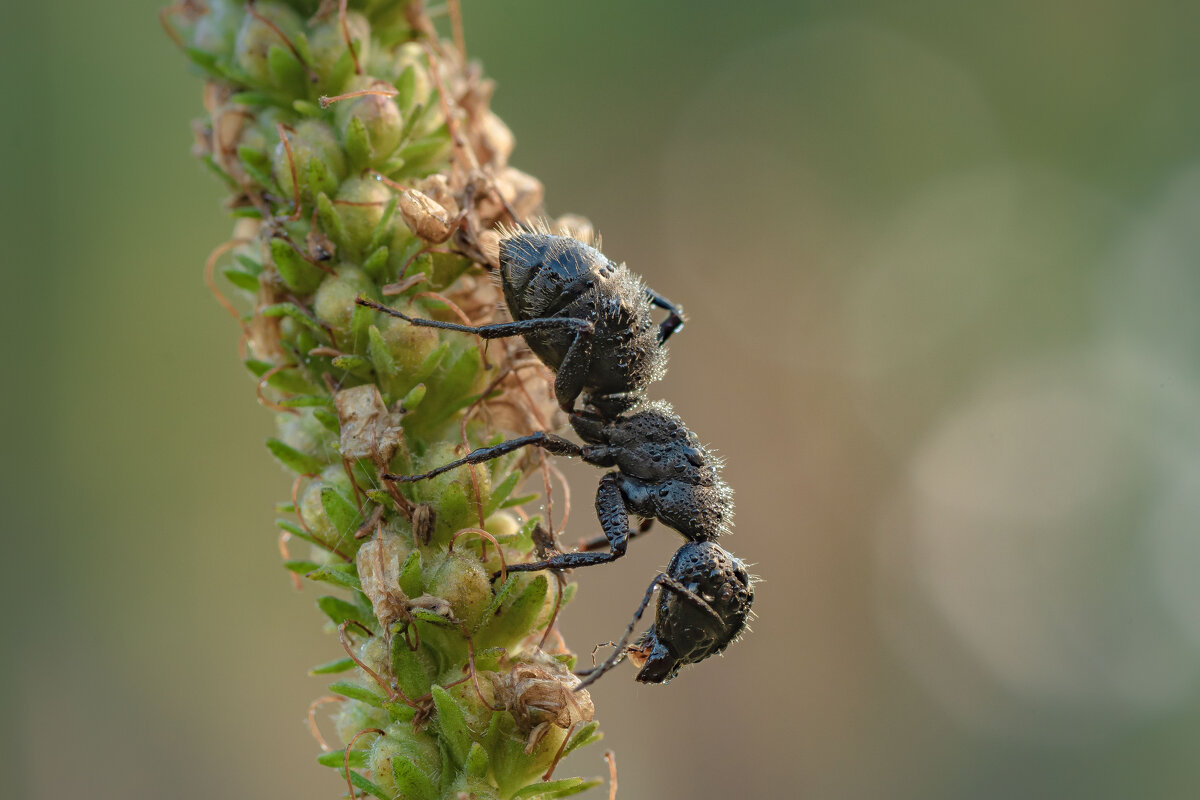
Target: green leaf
x=411 y=781
x=342 y=513
x=293 y=459
x=398 y=711
x=290 y=380
x=342 y=575
x=477 y=762
x=428 y=616
x=376 y=264
x=501 y=492
x=331 y=220
x=307 y=108
x=497 y=600
x=453 y=510
x=582 y=737
x=452 y=724
x=452 y=392
x=406 y=89
x=431 y=361
x=340 y=73
x=299 y=275
x=286 y=72
x=248 y=263
x=383 y=232
x=407 y=667
x=357 y=366
x=410 y=575
x=338 y=610
x=422 y=151
x=361 y=319
x=367 y=786
x=300 y=567
x=519 y=501
x=511 y=624
x=257 y=366
x=414 y=397
x=357 y=692
x=358 y=145
x=242 y=280
x=216 y=169
x=554 y=789
x=253 y=99
x=307 y=401
x=333 y=668
x=337 y=759
x=448 y=770
x=205 y=60
x=296 y=530
x=328 y=420
x=419 y=112
x=392 y=165
x=257 y=166
x=295 y=312
x=320 y=179
x=381 y=356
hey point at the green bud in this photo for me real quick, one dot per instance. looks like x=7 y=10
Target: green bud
x=305 y=433
x=502 y=524
x=409 y=344
x=334 y=302
x=327 y=43
x=462 y=581
x=377 y=113
x=313 y=140
x=435 y=489
x=216 y=31
x=361 y=203
x=411 y=54
x=312 y=508
x=406 y=762
x=352 y=717
x=256 y=37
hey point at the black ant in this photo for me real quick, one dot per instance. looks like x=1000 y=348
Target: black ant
x=584 y=316
x=589 y=319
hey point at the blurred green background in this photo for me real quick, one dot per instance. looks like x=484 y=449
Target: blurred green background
x=942 y=263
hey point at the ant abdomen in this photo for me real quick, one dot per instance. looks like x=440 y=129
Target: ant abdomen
x=545 y=275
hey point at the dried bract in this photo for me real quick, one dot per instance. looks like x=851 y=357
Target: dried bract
x=540 y=693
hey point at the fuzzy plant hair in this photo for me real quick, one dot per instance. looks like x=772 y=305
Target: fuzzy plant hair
x=361 y=159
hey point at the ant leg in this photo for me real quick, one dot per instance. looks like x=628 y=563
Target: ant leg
x=573 y=371
x=675 y=318
x=614 y=519
x=498 y=331
x=547 y=441
x=601 y=542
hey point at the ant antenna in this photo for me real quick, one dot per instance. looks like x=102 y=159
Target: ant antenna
x=663 y=582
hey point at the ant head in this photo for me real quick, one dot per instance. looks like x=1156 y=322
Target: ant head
x=688 y=629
